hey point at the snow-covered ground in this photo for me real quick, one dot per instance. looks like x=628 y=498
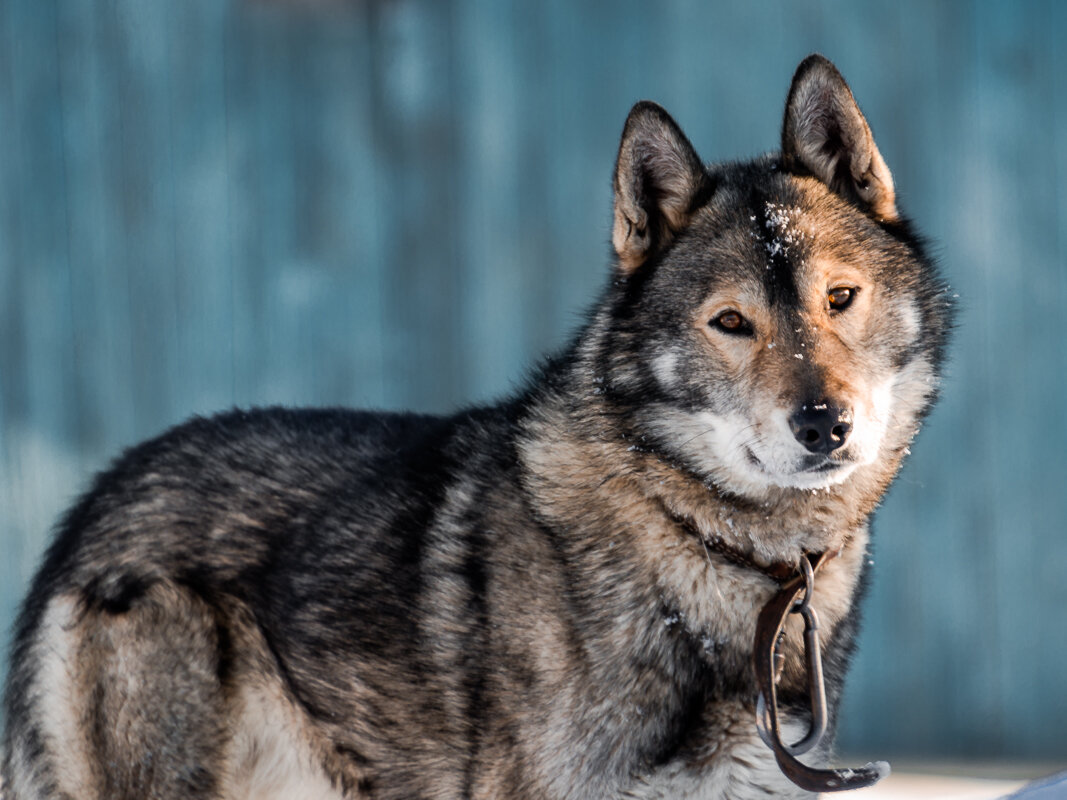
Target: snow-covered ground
x=953 y=783
x=909 y=786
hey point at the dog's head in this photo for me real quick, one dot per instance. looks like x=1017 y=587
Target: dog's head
x=774 y=323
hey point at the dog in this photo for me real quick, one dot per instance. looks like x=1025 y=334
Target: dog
x=552 y=597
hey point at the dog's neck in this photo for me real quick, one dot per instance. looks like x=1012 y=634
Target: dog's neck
x=588 y=474
x=617 y=515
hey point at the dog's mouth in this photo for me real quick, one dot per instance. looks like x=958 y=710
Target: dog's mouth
x=813 y=470
x=822 y=465
x=811 y=464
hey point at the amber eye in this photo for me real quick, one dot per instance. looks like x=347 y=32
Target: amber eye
x=732 y=322
x=841 y=297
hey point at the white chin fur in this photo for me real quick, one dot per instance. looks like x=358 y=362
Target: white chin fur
x=812 y=480
x=743 y=459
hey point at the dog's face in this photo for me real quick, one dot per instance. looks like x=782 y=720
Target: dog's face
x=783 y=368
x=781 y=327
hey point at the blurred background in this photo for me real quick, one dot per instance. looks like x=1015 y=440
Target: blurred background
x=403 y=204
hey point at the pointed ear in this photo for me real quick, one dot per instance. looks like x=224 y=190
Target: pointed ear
x=658 y=179
x=825 y=134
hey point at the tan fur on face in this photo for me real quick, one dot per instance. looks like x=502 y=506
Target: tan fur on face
x=842 y=359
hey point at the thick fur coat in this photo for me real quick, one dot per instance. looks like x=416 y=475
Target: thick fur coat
x=502 y=603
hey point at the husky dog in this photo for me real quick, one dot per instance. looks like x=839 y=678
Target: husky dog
x=518 y=601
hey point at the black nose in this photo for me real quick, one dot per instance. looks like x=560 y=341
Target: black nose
x=821 y=428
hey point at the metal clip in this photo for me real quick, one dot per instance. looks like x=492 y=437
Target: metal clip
x=768 y=666
x=813 y=660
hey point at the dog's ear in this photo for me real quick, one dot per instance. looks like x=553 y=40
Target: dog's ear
x=658 y=178
x=826 y=135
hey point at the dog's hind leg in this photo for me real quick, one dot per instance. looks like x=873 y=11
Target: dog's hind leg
x=120 y=702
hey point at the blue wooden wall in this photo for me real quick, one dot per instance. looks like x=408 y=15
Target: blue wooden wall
x=403 y=203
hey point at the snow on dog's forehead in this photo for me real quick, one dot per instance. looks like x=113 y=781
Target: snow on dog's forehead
x=788 y=235
x=819 y=234
x=782 y=221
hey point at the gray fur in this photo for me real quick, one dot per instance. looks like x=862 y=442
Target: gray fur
x=334 y=604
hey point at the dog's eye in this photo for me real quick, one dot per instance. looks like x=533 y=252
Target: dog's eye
x=841 y=297
x=732 y=322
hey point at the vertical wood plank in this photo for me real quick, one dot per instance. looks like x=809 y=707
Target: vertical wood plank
x=142 y=171
x=40 y=463
x=414 y=94
x=202 y=288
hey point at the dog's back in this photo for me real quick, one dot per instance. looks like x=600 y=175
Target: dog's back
x=239 y=566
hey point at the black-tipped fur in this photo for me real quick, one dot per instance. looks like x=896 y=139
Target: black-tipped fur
x=503 y=602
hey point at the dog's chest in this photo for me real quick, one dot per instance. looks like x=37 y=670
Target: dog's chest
x=733 y=764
